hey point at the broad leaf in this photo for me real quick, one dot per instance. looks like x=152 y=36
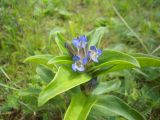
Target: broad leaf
x=45 y=73
x=64 y=59
x=96 y=36
x=113 y=66
x=114 y=61
x=64 y=80
x=97 y=112
x=79 y=107
x=117 y=106
x=39 y=59
x=152 y=95
x=61 y=43
x=107 y=86
x=147 y=60
x=111 y=55
x=29 y=91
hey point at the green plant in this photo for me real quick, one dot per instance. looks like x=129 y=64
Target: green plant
x=88 y=93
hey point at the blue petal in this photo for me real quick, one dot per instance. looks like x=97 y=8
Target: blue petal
x=95 y=59
x=99 y=52
x=76 y=42
x=89 y=54
x=93 y=48
x=80 y=68
x=83 y=44
x=85 y=60
x=76 y=58
x=74 y=67
x=83 y=38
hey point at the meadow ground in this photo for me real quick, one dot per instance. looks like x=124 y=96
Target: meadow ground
x=27 y=27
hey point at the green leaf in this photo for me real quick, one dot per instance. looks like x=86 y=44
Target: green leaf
x=56 y=30
x=60 y=40
x=72 y=28
x=29 y=91
x=111 y=55
x=64 y=80
x=79 y=107
x=107 y=86
x=147 y=60
x=114 y=61
x=113 y=66
x=45 y=73
x=97 y=112
x=39 y=59
x=64 y=59
x=140 y=72
x=117 y=106
x=96 y=35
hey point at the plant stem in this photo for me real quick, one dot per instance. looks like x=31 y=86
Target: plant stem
x=155 y=50
x=131 y=30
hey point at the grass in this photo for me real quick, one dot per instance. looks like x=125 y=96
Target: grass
x=27 y=28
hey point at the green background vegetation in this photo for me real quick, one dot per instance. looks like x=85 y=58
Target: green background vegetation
x=27 y=27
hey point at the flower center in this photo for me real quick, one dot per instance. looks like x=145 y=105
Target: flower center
x=93 y=54
x=79 y=64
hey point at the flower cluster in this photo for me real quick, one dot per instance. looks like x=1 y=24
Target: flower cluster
x=82 y=55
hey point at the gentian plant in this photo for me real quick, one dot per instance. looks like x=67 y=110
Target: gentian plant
x=77 y=75
x=82 y=55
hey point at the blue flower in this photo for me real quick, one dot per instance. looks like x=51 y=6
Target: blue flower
x=94 y=53
x=79 y=63
x=80 y=42
x=82 y=56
